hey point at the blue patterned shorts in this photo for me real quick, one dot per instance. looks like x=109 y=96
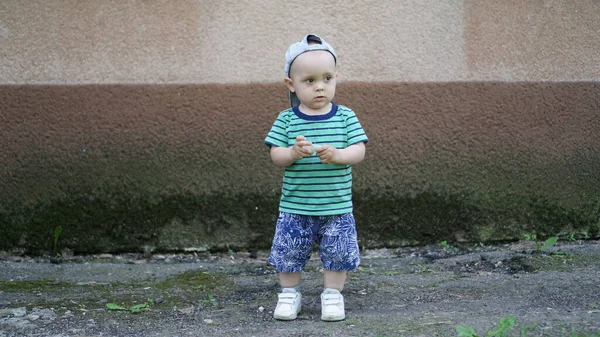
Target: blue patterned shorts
x=296 y=234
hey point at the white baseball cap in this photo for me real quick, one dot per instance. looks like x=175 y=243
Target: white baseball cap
x=301 y=47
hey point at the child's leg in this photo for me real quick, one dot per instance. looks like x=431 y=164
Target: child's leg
x=291 y=250
x=290 y=298
x=289 y=280
x=332 y=301
x=334 y=279
x=339 y=252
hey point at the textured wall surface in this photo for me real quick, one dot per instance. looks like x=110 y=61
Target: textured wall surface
x=171 y=166
x=228 y=41
x=139 y=125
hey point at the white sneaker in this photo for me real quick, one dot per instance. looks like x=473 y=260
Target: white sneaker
x=332 y=306
x=288 y=305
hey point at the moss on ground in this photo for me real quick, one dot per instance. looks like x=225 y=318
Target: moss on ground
x=197 y=287
x=33 y=285
x=196 y=279
x=560 y=262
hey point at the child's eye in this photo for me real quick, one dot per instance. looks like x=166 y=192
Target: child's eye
x=309 y=80
x=327 y=78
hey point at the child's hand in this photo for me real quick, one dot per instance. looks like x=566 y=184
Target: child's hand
x=328 y=154
x=302 y=148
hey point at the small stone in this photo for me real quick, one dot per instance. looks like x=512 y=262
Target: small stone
x=47 y=314
x=261 y=309
x=208 y=321
x=66 y=253
x=187 y=311
x=6 y=312
x=18 y=323
x=159 y=300
x=33 y=317
x=19 y=312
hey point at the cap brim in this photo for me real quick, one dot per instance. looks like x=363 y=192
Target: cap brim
x=294 y=101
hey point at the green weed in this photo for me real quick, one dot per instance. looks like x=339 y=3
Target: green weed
x=134 y=309
x=505 y=324
x=422 y=269
x=210 y=301
x=57 y=232
x=539 y=245
x=449 y=248
x=368 y=271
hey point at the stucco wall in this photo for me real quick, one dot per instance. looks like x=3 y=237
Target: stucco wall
x=228 y=41
x=139 y=125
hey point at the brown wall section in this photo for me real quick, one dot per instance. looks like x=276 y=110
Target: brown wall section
x=176 y=166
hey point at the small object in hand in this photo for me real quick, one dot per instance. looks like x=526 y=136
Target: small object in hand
x=315 y=147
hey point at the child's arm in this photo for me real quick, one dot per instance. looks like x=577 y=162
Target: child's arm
x=285 y=156
x=351 y=155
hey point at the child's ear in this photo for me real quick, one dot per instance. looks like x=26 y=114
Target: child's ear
x=288 y=83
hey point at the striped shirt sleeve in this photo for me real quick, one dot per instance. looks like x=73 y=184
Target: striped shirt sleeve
x=354 y=130
x=278 y=134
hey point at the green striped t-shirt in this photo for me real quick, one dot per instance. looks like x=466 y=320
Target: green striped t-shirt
x=310 y=187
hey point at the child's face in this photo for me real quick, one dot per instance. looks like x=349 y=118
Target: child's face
x=313 y=78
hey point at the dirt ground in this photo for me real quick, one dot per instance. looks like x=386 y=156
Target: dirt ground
x=424 y=291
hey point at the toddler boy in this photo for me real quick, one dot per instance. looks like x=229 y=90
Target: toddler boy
x=317 y=141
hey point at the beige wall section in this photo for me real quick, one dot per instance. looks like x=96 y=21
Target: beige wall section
x=227 y=41
x=541 y=40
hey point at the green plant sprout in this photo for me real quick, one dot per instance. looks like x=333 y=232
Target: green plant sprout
x=574 y=236
x=211 y=300
x=550 y=242
x=368 y=271
x=448 y=247
x=422 y=269
x=57 y=231
x=134 y=309
x=466 y=331
x=505 y=324
x=538 y=244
